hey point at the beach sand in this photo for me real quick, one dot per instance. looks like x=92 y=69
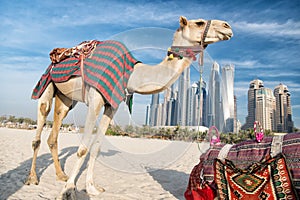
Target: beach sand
x=127 y=168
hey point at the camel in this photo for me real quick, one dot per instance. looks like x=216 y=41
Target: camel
x=220 y=165
x=144 y=79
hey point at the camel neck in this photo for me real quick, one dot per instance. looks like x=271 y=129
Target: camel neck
x=146 y=79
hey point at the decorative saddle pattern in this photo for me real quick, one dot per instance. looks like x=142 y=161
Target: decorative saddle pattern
x=269 y=180
x=243 y=156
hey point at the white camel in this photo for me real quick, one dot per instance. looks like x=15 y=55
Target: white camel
x=144 y=79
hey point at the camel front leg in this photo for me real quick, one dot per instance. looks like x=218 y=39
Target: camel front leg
x=44 y=107
x=62 y=107
x=95 y=103
x=95 y=148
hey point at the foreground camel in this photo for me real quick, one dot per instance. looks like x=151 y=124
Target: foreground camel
x=191 y=35
x=248 y=169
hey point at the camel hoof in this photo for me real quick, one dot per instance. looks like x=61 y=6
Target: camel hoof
x=62 y=177
x=94 y=191
x=68 y=194
x=32 y=179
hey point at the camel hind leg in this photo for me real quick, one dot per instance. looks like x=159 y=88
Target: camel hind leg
x=61 y=109
x=44 y=107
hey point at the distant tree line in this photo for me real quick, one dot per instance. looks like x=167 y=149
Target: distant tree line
x=177 y=133
x=180 y=133
x=21 y=120
x=13 y=119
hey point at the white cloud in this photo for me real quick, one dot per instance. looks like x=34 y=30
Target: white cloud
x=278 y=73
x=126 y=14
x=24 y=63
x=289 y=29
x=245 y=64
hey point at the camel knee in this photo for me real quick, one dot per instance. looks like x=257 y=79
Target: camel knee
x=82 y=151
x=51 y=143
x=45 y=108
x=36 y=144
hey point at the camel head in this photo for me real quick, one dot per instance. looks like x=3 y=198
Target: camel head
x=201 y=32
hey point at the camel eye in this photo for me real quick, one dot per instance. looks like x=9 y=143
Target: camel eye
x=200 y=23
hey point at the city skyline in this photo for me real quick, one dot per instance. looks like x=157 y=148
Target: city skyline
x=265 y=44
x=196 y=103
x=271 y=108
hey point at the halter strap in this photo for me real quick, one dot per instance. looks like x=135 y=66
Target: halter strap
x=185 y=51
x=202 y=42
x=190 y=51
x=205 y=32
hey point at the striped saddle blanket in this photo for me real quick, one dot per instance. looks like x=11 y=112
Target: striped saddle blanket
x=107 y=69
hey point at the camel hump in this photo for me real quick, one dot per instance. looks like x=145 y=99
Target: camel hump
x=85 y=48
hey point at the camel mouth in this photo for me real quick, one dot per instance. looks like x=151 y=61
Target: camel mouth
x=227 y=36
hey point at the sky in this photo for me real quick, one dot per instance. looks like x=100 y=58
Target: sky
x=265 y=44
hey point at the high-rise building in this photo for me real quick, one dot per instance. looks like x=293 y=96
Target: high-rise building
x=228 y=98
x=214 y=111
x=147 y=119
x=172 y=107
x=203 y=101
x=164 y=113
x=265 y=108
x=196 y=104
x=193 y=104
x=250 y=119
x=183 y=85
x=283 y=114
x=271 y=108
x=153 y=109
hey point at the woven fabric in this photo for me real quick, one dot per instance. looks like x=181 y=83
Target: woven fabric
x=107 y=69
x=269 y=180
x=245 y=154
x=197 y=189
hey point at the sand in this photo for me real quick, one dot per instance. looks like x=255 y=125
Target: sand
x=128 y=168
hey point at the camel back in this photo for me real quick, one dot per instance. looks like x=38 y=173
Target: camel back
x=107 y=69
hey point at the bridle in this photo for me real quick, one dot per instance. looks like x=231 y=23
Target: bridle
x=205 y=32
x=190 y=51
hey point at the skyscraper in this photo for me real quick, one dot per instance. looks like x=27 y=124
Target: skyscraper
x=265 y=108
x=147 y=120
x=153 y=109
x=283 y=114
x=214 y=111
x=228 y=98
x=250 y=119
x=193 y=104
x=172 y=107
x=196 y=104
x=236 y=123
x=183 y=85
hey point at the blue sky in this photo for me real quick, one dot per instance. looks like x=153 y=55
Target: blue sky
x=265 y=45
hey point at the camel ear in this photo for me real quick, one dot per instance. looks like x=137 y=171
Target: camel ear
x=182 y=21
